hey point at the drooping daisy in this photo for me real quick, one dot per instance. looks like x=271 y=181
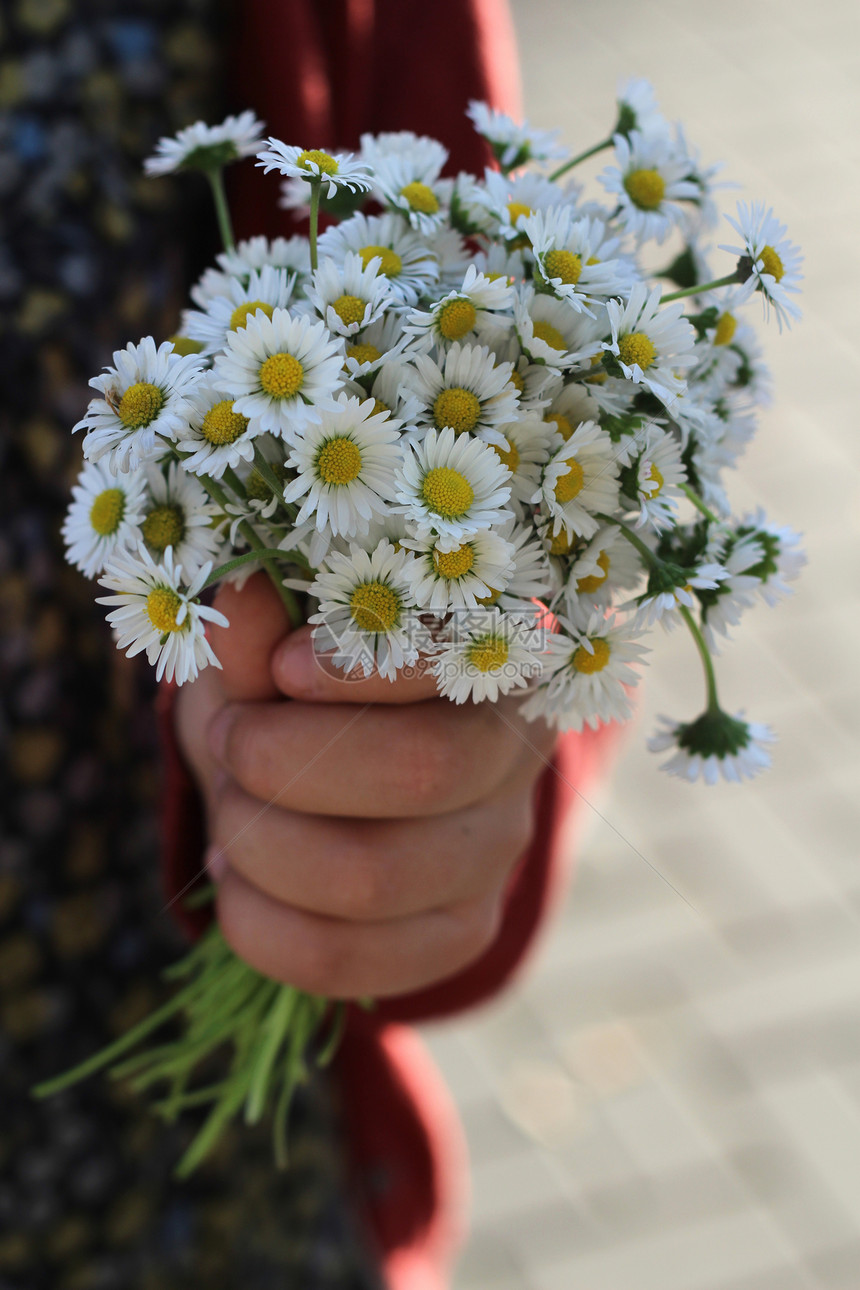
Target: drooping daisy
x=350 y=296
x=723 y=606
x=588 y=666
x=278 y=369
x=452 y=486
x=650 y=341
x=403 y=255
x=266 y=290
x=330 y=170
x=365 y=610
x=671 y=587
x=465 y=390
x=769 y=263
x=104 y=516
x=462 y=578
x=714 y=744
x=513 y=144
x=649 y=180
x=576 y=258
x=179 y=514
x=345 y=466
x=206 y=147
x=551 y=332
x=145 y=396
x=214 y=433
x=653 y=481
x=488 y=654
x=158 y=611
x=783 y=556
x=579 y=481
x=466 y=313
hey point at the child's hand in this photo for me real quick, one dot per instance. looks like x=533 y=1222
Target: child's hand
x=368 y=827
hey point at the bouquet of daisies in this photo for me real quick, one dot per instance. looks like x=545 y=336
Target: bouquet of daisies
x=461 y=429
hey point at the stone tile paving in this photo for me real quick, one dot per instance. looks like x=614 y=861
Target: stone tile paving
x=671 y=1098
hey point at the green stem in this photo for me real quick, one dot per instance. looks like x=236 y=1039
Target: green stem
x=222 y=210
x=231 y=478
x=582 y=156
x=699 y=504
x=647 y=554
x=730 y=280
x=707 y=661
x=314 y=220
x=268 y=474
x=249 y=556
x=275 y=1029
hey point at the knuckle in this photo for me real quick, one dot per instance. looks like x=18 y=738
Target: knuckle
x=427 y=763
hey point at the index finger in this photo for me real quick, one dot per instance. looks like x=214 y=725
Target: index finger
x=301 y=673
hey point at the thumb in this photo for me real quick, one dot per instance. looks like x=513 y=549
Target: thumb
x=258 y=621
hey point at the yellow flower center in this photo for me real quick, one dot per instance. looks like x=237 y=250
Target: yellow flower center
x=420 y=197
x=222 y=425
x=107 y=511
x=592 y=259
x=140 y=405
x=454 y=564
x=584 y=661
x=379 y=406
x=488 y=653
x=281 y=376
x=447 y=493
x=570 y=483
x=239 y=316
x=725 y=330
x=599 y=377
x=184 y=345
x=339 y=461
x=391 y=261
x=561 y=422
x=636 y=348
x=561 y=544
x=349 y=309
x=516 y=209
x=509 y=456
x=594 y=580
x=456 y=318
x=162 y=606
x=771 y=263
x=457 y=408
x=563 y=264
x=646 y=188
x=654 y=482
x=164 y=526
x=327 y=164
x=375 y=607
x=364 y=353
x=517 y=381
x=489 y=600
x=549 y=335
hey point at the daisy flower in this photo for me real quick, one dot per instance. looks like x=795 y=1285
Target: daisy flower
x=656 y=477
x=648 y=182
x=345 y=466
x=381 y=343
x=278 y=369
x=488 y=654
x=157 y=613
x=266 y=290
x=713 y=745
x=512 y=199
x=536 y=383
x=365 y=605
x=426 y=156
x=403 y=255
x=462 y=578
x=570 y=405
x=601 y=567
x=179 y=514
x=145 y=396
x=513 y=144
x=782 y=558
x=214 y=434
x=104 y=515
x=531 y=577
x=206 y=147
x=414 y=191
x=389 y=388
x=723 y=607
x=468 y=311
x=580 y=478
x=650 y=341
x=638 y=109
x=525 y=450
x=551 y=332
x=670 y=587
x=350 y=296
x=465 y=390
x=575 y=257
x=330 y=170
x=768 y=262
x=452 y=487
x=255 y=253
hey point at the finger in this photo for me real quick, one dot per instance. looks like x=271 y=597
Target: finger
x=372 y=870
x=258 y=621
x=300 y=672
x=348 y=960
x=373 y=762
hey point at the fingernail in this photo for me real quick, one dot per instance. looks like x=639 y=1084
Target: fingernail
x=219 y=733
x=295 y=666
x=216 y=864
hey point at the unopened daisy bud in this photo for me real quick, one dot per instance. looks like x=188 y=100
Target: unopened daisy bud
x=713 y=745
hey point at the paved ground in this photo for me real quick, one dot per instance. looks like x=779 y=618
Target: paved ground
x=671 y=1101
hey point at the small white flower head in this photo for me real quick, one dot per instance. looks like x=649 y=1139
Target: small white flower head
x=145 y=397
x=600 y=568
x=206 y=147
x=536 y=383
x=714 y=745
x=768 y=263
x=179 y=514
x=513 y=144
x=277 y=370
x=414 y=191
x=512 y=199
x=671 y=587
x=345 y=467
x=426 y=156
x=256 y=253
x=652 y=482
x=579 y=481
x=569 y=406
x=452 y=487
x=638 y=109
x=651 y=342
x=588 y=664
x=390 y=390
x=473 y=573
x=552 y=332
x=366 y=610
x=103 y=516
x=380 y=344
x=723 y=606
x=488 y=653
x=466 y=390
x=350 y=296
x=782 y=556
x=158 y=612
x=330 y=170
x=531 y=578
x=525 y=450
x=402 y=254
x=466 y=313
x=265 y=290
x=576 y=258
x=649 y=180
x=214 y=433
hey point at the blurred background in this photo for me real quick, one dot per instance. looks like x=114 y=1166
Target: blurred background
x=670 y=1100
